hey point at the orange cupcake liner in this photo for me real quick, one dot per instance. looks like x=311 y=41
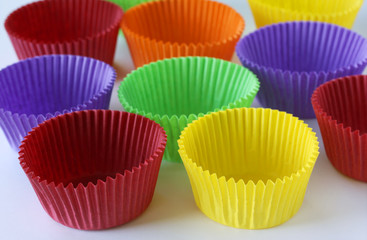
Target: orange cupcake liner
x=179 y=28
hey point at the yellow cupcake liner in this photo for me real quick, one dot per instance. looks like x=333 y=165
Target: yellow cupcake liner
x=249 y=168
x=340 y=12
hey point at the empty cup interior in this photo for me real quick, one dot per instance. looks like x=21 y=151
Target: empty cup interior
x=185 y=86
x=87 y=146
x=344 y=100
x=249 y=144
x=184 y=21
x=63 y=20
x=52 y=84
x=304 y=47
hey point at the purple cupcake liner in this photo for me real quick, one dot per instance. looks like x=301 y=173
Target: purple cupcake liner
x=39 y=88
x=292 y=59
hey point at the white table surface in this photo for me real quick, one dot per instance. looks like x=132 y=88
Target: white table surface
x=335 y=207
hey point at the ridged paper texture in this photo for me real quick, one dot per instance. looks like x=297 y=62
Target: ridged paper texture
x=127 y=4
x=340 y=107
x=292 y=59
x=40 y=88
x=340 y=12
x=77 y=27
x=162 y=29
x=94 y=169
x=174 y=92
x=249 y=168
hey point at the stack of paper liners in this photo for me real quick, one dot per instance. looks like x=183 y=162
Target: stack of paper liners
x=249 y=168
x=340 y=107
x=292 y=59
x=178 y=28
x=340 y=12
x=127 y=4
x=174 y=92
x=40 y=88
x=77 y=27
x=94 y=169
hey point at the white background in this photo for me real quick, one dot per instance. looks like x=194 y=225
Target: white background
x=335 y=207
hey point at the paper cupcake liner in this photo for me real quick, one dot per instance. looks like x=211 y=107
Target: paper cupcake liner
x=292 y=59
x=340 y=107
x=158 y=30
x=341 y=12
x=200 y=85
x=249 y=168
x=127 y=4
x=94 y=169
x=40 y=88
x=77 y=27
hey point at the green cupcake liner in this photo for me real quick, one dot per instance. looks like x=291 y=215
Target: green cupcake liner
x=126 y=4
x=174 y=92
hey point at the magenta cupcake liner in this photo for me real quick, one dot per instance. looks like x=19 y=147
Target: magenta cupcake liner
x=36 y=89
x=292 y=59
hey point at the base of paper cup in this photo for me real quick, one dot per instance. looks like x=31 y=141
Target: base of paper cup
x=283 y=93
x=68 y=218
x=349 y=173
x=173 y=127
x=250 y=226
x=338 y=150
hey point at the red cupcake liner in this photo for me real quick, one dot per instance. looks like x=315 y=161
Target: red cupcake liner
x=341 y=111
x=94 y=169
x=77 y=27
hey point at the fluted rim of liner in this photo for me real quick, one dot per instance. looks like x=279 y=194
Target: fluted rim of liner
x=131 y=32
x=148 y=161
x=328 y=117
x=130 y=77
x=307 y=167
x=357 y=5
x=27 y=7
x=81 y=106
x=273 y=27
